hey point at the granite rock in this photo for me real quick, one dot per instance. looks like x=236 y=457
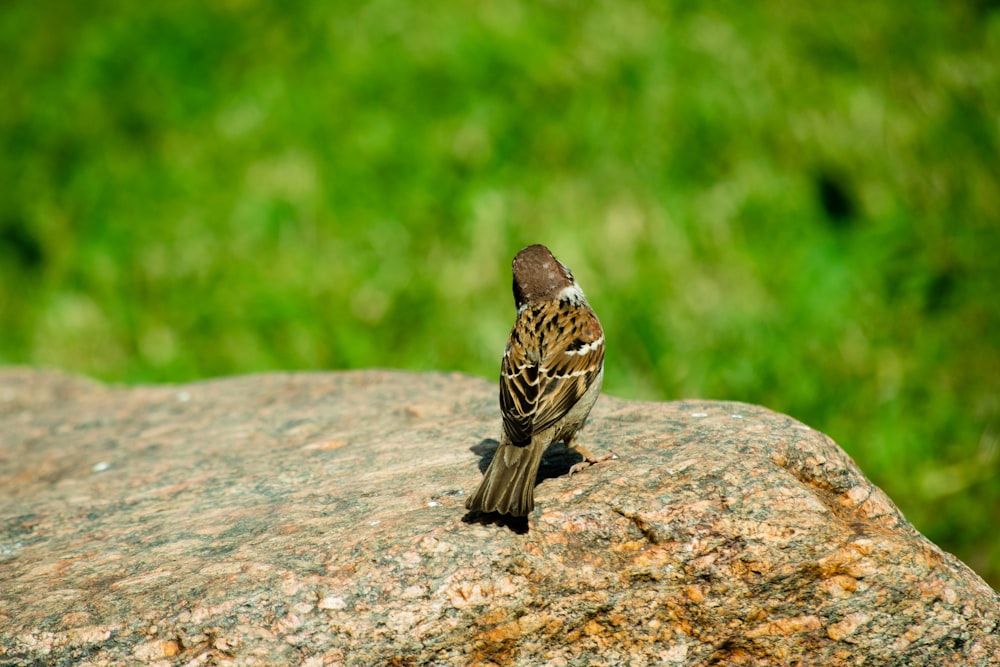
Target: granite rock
x=317 y=519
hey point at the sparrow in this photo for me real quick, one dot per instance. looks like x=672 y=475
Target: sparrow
x=550 y=377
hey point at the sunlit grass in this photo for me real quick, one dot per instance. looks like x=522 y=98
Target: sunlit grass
x=788 y=206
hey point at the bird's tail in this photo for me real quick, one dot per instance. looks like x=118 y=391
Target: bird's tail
x=508 y=487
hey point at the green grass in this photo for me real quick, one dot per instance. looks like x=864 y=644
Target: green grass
x=794 y=207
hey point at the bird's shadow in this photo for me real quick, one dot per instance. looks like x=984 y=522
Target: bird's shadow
x=556 y=462
x=557 y=459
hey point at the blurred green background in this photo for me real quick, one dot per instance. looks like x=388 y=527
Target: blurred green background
x=796 y=205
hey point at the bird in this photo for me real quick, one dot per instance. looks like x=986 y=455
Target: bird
x=550 y=378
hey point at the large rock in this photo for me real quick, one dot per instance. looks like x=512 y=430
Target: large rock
x=317 y=519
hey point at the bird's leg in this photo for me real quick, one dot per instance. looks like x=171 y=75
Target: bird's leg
x=588 y=458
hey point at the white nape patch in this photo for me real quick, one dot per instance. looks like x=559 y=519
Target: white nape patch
x=584 y=349
x=572 y=293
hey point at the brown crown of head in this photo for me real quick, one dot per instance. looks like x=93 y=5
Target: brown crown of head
x=538 y=275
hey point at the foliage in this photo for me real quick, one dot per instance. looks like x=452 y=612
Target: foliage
x=791 y=206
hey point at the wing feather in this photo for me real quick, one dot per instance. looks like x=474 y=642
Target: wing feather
x=554 y=353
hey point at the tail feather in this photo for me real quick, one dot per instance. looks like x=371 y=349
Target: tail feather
x=508 y=487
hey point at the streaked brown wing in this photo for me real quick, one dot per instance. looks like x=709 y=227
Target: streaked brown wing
x=543 y=376
x=519 y=390
x=570 y=367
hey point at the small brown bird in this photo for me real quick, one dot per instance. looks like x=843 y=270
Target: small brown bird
x=550 y=377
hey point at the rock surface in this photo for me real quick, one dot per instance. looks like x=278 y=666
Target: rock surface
x=317 y=519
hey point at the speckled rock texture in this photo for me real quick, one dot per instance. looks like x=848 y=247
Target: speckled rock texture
x=318 y=519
